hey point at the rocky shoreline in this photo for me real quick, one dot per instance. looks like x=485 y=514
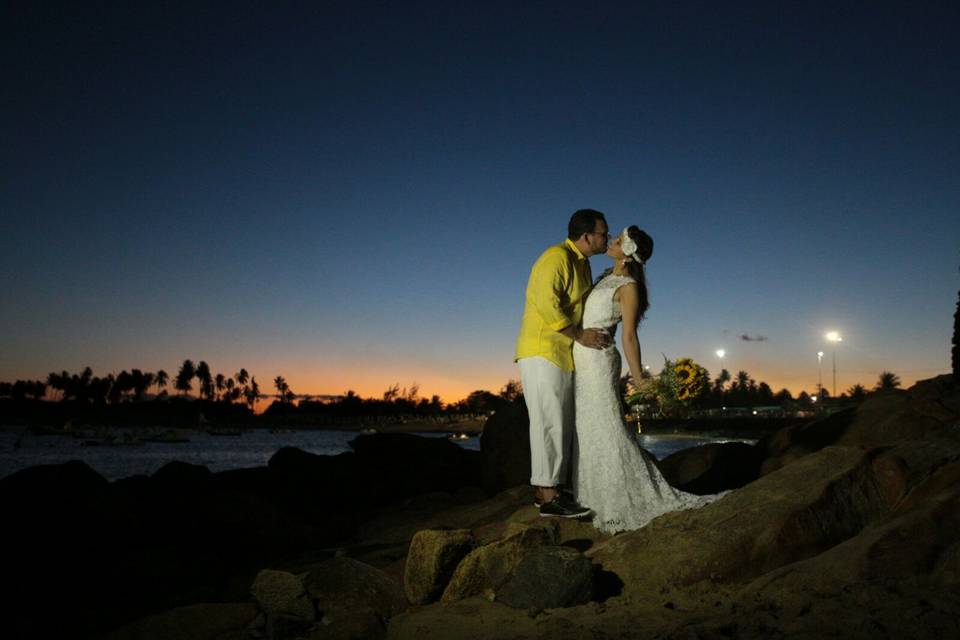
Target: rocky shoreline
x=845 y=527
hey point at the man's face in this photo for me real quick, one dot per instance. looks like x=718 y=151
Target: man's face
x=597 y=239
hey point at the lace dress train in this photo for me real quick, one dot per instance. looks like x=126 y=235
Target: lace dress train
x=612 y=474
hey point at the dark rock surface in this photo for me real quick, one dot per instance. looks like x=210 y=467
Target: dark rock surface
x=712 y=468
x=549 y=577
x=142 y=545
x=505 y=448
x=850 y=529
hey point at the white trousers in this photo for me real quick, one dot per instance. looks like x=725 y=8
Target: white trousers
x=548 y=391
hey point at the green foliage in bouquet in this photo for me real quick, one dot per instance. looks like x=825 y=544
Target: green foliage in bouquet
x=674 y=389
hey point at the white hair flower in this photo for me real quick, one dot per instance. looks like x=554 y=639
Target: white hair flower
x=628 y=246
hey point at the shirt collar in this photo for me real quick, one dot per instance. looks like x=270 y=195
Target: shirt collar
x=575 y=249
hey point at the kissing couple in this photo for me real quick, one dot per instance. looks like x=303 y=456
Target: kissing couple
x=570 y=367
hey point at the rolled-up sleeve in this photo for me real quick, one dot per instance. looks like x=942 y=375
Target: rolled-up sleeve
x=548 y=290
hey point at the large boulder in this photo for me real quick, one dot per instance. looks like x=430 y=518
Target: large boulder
x=353 y=599
x=312 y=486
x=712 y=468
x=282 y=594
x=505 y=448
x=791 y=514
x=341 y=584
x=433 y=557
x=549 y=577
x=398 y=465
x=929 y=409
x=486 y=568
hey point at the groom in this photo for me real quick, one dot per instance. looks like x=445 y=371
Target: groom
x=559 y=283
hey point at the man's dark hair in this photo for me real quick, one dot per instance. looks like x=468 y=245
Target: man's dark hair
x=583 y=221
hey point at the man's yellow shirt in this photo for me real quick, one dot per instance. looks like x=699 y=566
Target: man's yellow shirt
x=559 y=283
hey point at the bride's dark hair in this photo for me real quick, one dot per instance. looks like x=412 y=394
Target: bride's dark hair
x=635 y=269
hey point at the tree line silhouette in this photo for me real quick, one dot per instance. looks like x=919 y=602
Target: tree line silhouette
x=141 y=389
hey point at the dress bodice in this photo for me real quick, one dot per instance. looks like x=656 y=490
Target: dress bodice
x=601 y=310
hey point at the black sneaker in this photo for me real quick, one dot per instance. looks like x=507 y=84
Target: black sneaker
x=563 y=506
x=538 y=504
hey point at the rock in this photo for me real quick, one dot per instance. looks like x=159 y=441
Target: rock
x=354 y=599
x=58 y=480
x=433 y=557
x=547 y=578
x=399 y=465
x=192 y=622
x=313 y=486
x=788 y=515
x=181 y=475
x=471 y=619
x=486 y=568
x=928 y=410
x=712 y=468
x=343 y=584
x=505 y=449
x=282 y=593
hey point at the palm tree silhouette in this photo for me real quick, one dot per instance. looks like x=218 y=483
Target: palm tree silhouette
x=160 y=379
x=252 y=393
x=184 y=376
x=888 y=381
x=220 y=383
x=205 y=379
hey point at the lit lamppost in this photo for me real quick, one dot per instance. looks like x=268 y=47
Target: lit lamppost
x=819 y=373
x=835 y=338
x=720 y=354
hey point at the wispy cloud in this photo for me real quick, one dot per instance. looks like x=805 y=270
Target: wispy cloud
x=748 y=338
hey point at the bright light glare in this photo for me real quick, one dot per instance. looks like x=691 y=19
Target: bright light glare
x=833 y=336
x=721 y=353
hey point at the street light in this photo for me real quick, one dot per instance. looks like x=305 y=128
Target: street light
x=819 y=373
x=835 y=338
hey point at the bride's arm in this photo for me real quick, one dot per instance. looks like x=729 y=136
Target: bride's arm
x=630 y=311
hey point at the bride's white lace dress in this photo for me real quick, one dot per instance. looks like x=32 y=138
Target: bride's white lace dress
x=612 y=474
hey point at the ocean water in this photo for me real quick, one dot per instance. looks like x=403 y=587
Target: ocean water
x=220 y=453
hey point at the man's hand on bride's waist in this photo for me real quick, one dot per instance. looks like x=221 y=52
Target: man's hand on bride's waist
x=594 y=338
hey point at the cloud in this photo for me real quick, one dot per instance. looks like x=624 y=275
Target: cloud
x=748 y=338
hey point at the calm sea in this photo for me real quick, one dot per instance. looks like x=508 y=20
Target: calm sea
x=219 y=453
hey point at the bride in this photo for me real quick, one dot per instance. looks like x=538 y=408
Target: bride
x=611 y=472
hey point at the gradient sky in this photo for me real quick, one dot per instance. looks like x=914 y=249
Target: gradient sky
x=351 y=194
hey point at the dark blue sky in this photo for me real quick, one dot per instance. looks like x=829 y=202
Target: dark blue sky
x=351 y=194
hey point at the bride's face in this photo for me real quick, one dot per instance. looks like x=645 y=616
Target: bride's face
x=614 y=250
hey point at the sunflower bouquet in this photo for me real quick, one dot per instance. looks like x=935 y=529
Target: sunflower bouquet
x=677 y=385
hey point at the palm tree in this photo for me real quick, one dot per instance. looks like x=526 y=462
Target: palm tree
x=205 y=379
x=160 y=379
x=184 y=377
x=242 y=376
x=140 y=382
x=122 y=384
x=282 y=388
x=722 y=379
x=252 y=393
x=56 y=382
x=743 y=380
x=888 y=381
x=220 y=383
x=857 y=392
